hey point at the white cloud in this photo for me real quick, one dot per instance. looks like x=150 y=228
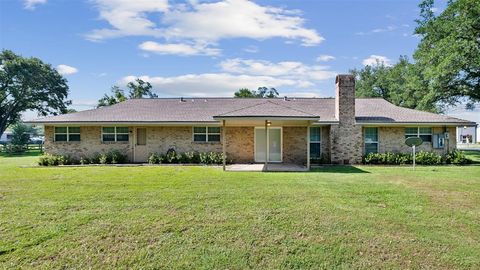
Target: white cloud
x=377 y=59
x=286 y=69
x=251 y=49
x=209 y=84
x=178 y=48
x=389 y=28
x=242 y=73
x=32 y=4
x=325 y=58
x=66 y=70
x=202 y=23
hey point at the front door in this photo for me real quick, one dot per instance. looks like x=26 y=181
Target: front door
x=141 y=154
x=274 y=144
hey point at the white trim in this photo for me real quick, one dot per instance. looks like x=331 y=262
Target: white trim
x=365 y=142
x=67 y=133
x=411 y=124
x=263 y=118
x=115 y=133
x=266 y=148
x=207 y=134
x=319 y=142
x=418 y=134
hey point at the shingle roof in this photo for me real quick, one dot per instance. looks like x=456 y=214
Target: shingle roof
x=205 y=109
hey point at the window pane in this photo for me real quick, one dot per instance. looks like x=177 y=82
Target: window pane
x=314 y=150
x=199 y=138
x=200 y=130
x=371 y=148
x=74 y=130
x=60 y=129
x=213 y=138
x=122 y=129
x=214 y=130
x=122 y=137
x=108 y=129
x=411 y=130
x=315 y=134
x=426 y=138
x=371 y=135
x=108 y=137
x=425 y=130
x=61 y=137
x=74 y=137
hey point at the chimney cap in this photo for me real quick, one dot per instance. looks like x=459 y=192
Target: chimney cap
x=345 y=79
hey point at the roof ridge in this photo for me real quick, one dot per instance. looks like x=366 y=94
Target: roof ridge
x=243 y=108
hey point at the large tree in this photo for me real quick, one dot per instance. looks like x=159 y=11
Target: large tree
x=449 y=51
x=29 y=84
x=401 y=84
x=136 y=89
x=262 y=92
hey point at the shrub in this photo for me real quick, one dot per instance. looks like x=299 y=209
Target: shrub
x=154 y=158
x=428 y=158
x=84 y=160
x=104 y=158
x=117 y=158
x=55 y=160
x=171 y=156
x=456 y=157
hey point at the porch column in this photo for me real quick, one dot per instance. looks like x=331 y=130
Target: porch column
x=224 y=145
x=308 y=146
x=266 y=144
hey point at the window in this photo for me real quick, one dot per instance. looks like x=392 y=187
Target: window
x=115 y=134
x=67 y=134
x=206 y=134
x=423 y=132
x=315 y=143
x=371 y=140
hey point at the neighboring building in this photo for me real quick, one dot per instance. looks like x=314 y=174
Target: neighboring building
x=6 y=137
x=299 y=130
x=467 y=134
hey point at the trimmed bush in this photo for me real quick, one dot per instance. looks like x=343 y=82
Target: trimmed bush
x=172 y=157
x=421 y=158
x=113 y=157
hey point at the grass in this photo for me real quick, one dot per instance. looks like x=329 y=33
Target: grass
x=198 y=217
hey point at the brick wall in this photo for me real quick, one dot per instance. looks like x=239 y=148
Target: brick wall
x=345 y=138
x=392 y=139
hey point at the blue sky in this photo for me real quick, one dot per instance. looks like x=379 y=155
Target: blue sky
x=208 y=48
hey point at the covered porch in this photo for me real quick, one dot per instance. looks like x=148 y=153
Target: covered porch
x=274 y=149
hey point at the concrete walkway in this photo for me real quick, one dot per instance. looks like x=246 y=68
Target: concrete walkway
x=275 y=167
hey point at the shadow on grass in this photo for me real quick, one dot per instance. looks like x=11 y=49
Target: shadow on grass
x=337 y=169
x=30 y=153
x=474 y=155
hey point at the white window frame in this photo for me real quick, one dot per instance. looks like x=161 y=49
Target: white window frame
x=377 y=142
x=115 y=133
x=206 y=133
x=267 y=146
x=67 y=133
x=418 y=134
x=319 y=142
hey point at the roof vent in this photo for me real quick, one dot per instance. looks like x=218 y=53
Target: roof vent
x=182 y=99
x=285 y=98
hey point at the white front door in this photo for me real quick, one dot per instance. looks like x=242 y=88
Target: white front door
x=274 y=144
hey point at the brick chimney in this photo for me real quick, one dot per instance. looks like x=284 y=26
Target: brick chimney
x=345 y=98
x=345 y=137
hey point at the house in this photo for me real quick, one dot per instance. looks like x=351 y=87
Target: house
x=6 y=137
x=339 y=130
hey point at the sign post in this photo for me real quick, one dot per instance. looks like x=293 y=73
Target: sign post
x=413 y=142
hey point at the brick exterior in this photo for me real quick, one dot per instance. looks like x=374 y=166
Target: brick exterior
x=91 y=143
x=295 y=145
x=392 y=139
x=346 y=137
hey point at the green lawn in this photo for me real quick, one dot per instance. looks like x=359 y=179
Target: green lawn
x=198 y=217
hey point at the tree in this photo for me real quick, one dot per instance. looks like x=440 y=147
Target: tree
x=401 y=84
x=20 y=136
x=29 y=84
x=245 y=93
x=262 y=92
x=137 y=89
x=449 y=51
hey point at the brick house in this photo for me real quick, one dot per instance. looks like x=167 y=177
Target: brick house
x=336 y=130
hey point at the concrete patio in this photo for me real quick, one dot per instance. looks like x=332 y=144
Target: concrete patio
x=274 y=167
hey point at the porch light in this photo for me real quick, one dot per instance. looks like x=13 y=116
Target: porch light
x=269 y=123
